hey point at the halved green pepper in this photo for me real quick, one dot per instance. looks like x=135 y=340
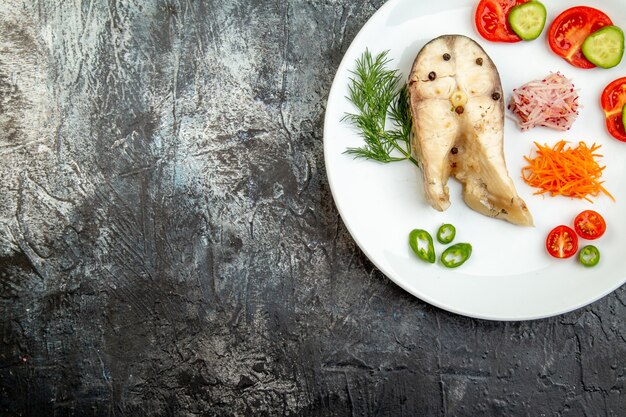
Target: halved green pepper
x=456 y=255
x=446 y=233
x=589 y=256
x=422 y=244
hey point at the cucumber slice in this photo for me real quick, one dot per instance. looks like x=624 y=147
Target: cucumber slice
x=528 y=19
x=604 y=47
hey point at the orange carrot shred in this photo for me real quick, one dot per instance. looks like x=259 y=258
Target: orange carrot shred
x=570 y=172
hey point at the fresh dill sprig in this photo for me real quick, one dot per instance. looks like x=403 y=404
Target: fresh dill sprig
x=376 y=93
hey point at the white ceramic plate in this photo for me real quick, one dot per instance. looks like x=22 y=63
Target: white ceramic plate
x=509 y=276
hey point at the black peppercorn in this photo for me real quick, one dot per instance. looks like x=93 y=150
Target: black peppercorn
x=454 y=150
x=459 y=110
x=432 y=76
x=479 y=61
x=496 y=96
x=446 y=57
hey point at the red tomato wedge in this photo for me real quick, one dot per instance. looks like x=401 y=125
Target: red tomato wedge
x=589 y=225
x=570 y=29
x=491 y=20
x=562 y=242
x=612 y=100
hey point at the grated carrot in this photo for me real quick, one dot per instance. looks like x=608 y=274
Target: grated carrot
x=570 y=172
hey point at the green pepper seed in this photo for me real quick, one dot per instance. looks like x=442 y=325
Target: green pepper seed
x=422 y=244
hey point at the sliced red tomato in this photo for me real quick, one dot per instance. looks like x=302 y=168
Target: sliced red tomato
x=562 y=242
x=570 y=29
x=491 y=20
x=613 y=100
x=589 y=225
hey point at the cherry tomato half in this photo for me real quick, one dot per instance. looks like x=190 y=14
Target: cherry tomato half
x=570 y=29
x=562 y=242
x=589 y=225
x=612 y=101
x=492 y=22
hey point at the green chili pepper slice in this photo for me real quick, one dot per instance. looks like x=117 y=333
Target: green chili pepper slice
x=446 y=233
x=589 y=256
x=422 y=244
x=456 y=255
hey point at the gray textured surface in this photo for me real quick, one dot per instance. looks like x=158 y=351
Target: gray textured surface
x=169 y=244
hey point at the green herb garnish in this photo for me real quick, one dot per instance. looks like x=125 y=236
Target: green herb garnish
x=377 y=94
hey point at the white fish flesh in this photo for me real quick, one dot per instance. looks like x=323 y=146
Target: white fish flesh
x=457 y=108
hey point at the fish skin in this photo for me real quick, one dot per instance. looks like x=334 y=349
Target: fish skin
x=477 y=133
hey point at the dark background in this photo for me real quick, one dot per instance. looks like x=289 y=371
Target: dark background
x=169 y=244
